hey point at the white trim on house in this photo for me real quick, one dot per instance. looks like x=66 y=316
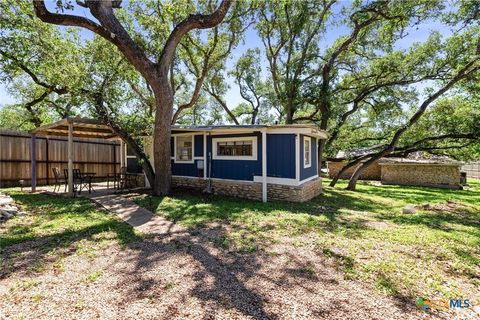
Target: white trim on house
x=259 y=179
x=309 y=139
x=217 y=179
x=274 y=180
x=187 y=134
x=308 y=130
x=175 y=148
x=297 y=157
x=284 y=181
x=253 y=157
x=308 y=179
x=291 y=130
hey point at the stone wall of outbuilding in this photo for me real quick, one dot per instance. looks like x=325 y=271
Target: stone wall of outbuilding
x=421 y=174
x=253 y=190
x=373 y=172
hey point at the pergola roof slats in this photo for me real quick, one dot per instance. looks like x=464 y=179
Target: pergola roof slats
x=82 y=127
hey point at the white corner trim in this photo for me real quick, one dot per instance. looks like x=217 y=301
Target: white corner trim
x=297 y=157
x=253 y=157
x=305 y=139
x=175 y=149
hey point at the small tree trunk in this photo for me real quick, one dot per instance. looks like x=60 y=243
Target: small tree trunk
x=161 y=138
x=344 y=169
x=352 y=184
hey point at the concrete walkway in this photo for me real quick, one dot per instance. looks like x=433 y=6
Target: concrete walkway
x=136 y=216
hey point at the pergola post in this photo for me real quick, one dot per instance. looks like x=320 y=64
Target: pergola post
x=70 y=157
x=33 y=161
x=121 y=154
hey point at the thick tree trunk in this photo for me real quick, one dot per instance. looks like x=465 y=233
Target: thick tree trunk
x=321 y=145
x=289 y=117
x=161 y=138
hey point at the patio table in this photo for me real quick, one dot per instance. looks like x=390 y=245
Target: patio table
x=89 y=177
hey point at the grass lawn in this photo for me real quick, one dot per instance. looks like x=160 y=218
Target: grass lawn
x=354 y=251
x=433 y=253
x=53 y=223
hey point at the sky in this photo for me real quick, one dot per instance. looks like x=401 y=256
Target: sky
x=251 y=41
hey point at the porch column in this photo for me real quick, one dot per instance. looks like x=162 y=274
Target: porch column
x=264 y=165
x=33 y=161
x=70 y=157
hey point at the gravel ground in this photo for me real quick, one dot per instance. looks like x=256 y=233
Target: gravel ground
x=185 y=277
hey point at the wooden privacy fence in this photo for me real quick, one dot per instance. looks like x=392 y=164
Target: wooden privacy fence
x=89 y=155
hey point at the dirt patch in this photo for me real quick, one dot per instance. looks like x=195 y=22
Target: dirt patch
x=189 y=277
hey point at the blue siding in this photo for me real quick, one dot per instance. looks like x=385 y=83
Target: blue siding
x=281 y=155
x=236 y=169
x=186 y=169
x=308 y=172
x=198 y=146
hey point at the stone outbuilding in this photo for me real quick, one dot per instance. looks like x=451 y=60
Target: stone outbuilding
x=428 y=173
x=373 y=172
x=443 y=173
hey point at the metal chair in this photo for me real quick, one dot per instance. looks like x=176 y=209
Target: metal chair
x=58 y=180
x=78 y=181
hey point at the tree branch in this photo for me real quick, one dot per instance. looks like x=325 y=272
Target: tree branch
x=196 y=21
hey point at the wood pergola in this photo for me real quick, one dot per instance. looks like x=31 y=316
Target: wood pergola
x=70 y=127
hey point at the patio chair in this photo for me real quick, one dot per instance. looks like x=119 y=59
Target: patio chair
x=58 y=180
x=78 y=181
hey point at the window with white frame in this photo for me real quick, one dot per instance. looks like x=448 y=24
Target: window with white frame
x=307 y=152
x=184 y=148
x=244 y=148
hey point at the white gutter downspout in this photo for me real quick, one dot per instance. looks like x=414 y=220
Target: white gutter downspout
x=205 y=165
x=264 y=164
x=297 y=158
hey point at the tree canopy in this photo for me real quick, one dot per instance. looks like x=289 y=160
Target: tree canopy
x=351 y=68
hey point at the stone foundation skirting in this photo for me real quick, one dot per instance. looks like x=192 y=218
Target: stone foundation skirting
x=253 y=190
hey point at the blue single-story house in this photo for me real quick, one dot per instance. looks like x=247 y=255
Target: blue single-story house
x=250 y=161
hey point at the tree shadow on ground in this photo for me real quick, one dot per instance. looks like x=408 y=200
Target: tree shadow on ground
x=220 y=276
x=194 y=209
x=417 y=195
x=52 y=229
